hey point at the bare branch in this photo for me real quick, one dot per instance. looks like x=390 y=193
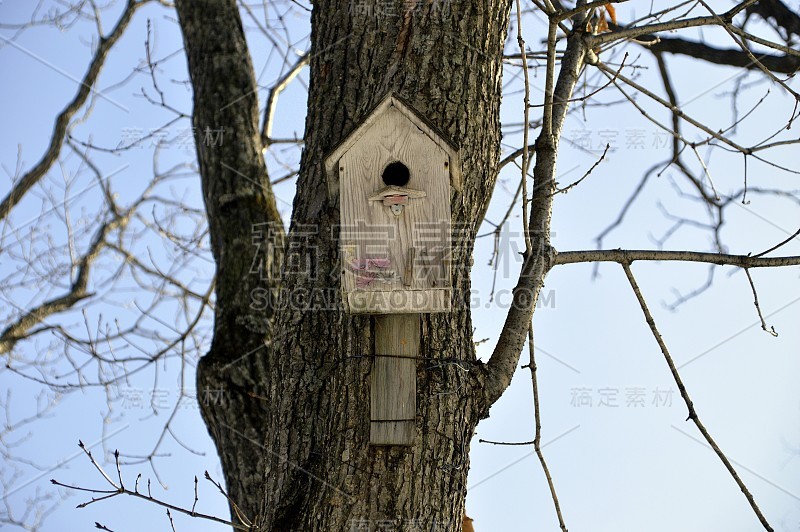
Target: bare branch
x=785 y=64
x=622 y=256
x=526 y=114
x=121 y=490
x=583 y=8
x=503 y=362
x=78 y=291
x=727 y=26
x=776 y=10
x=33 y=175
x=272 y=99
x=537 y=440
x=677 y=24
x=780 y=244
x=650 y=94
x=771 y=330
x=585 y=175
x=685 y=395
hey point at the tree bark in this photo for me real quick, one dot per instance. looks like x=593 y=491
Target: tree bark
x=292 y=422
x=240 y=206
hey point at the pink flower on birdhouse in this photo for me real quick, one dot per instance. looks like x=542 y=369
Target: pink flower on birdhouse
x=369 y=263
x=369 y=270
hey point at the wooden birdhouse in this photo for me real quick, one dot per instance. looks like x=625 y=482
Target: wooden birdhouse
x=393 y=175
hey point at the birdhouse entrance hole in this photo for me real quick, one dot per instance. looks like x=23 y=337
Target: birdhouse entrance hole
x=396 y=174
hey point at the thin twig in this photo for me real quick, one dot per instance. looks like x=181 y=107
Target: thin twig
x=776 y=246
x=119 y=471
x=537 y=439
x=121 y=490
x=526 y=113
x=171 y=522
x=550 y=81
x=578 y=182
x=195 y=494
x=86 y=88
x=272 y=101
x=705 y=171
x=771 y=330
x=629 y=33
x=512 y=443
x=235 y=506
x=97 y=466
x=685 y=395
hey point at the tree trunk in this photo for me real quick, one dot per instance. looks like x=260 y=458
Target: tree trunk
x=291 y=422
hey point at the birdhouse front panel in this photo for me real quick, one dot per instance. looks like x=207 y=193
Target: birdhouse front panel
x=394 y=186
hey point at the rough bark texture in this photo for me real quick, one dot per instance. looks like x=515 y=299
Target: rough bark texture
x=293 y=427
x=239 y=204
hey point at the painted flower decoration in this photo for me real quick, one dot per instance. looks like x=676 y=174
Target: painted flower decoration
x=369 y=270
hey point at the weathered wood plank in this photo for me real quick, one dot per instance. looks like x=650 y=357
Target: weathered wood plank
x=393 y=390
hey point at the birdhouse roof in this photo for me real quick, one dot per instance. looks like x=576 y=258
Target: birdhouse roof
x=392 y=100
